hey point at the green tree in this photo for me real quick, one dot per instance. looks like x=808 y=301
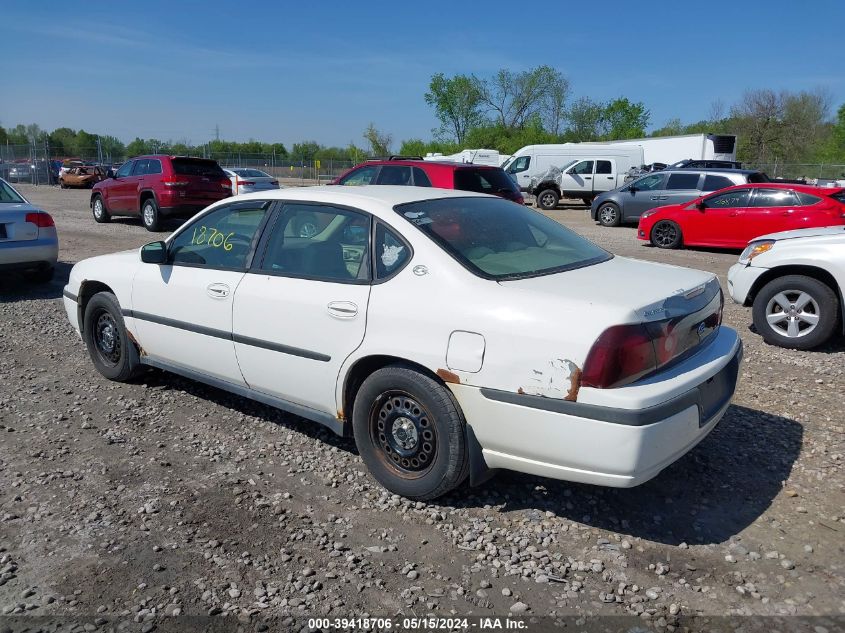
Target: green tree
x=85 y=145
x=136 y=147
x=673 y=127
x=3 y=136
x=513 y=98
x=623 y=119
x=456 y=102
x=584 y=118
x=380 y=142
x=305 y=150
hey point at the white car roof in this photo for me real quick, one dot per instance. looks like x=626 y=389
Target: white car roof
x=384 y=196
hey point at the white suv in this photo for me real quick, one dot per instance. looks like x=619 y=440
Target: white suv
x=794 y=282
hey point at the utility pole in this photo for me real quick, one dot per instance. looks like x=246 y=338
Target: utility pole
x=217 y=132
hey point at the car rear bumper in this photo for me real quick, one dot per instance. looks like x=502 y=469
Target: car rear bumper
x=183 y=210
x=38 y=253
x=605 y=446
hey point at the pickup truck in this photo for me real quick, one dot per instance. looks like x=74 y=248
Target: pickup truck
x=584 y=178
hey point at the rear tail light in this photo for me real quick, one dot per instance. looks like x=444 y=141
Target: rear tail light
x=41 y=220
x=621 y=354
x=227 y=184
x=175 y=183
x=626 y=353
x=246 y=183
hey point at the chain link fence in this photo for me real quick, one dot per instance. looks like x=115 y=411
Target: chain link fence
x=821 y=173
x=37 y=164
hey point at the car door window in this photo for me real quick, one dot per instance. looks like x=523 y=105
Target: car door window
x=604 y=167
x=728 y=200
x=420 y=178
x=219 y=239
x=362 y=176
x=649 y=183
x=520 y=164
x=391 y=252
x=321 y=242
x=714 y=183
x=683 y=181
x=140 y=168
x=584 y=168
x=126 y=169
x=394 y=175
x=774 y=198
x=153 y=166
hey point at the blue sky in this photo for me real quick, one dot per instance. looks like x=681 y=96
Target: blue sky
x=323 y=71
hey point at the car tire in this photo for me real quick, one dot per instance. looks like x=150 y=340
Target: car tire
x=150 y=215
x=666 y=234
x=40 y=275
x=779 y=320
x=608 y=214
x=588 y=200
x=113 y=353
x=62 y=184
x=410 y=433
x=98 y=208
x=547 y=199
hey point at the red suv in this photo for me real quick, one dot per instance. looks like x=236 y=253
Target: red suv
x=156 y=187
x=400 y=170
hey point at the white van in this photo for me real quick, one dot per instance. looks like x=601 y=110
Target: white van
x=533 y=161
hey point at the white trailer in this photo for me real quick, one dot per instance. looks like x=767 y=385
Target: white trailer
x=671 y=149
x=474 y=156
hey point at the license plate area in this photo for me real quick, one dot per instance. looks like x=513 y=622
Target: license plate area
x=717 y=391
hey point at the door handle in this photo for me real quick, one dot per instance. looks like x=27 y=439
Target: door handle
x=660 y=197
x=588 y=177
x=790 y=212
x=610 y=177
x=342 y=309
x=217 y=290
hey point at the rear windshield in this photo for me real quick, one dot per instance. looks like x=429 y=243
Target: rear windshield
x=251 y=173
x=497 y=239
x=7 y=194
x=483 y=180
x=197 y=167
x=839 y=196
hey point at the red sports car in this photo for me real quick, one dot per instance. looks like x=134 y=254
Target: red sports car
x=731 y=217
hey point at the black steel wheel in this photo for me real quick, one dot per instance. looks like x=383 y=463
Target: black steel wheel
x=112 y=352
x=410 y=433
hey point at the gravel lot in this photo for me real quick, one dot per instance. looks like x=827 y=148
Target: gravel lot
x=123 y=505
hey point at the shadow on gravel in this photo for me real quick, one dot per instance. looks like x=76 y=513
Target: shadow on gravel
x=835 y=345
x=707 y=496
x=15 y=287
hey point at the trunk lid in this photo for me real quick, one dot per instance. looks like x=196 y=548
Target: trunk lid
x=13 y=224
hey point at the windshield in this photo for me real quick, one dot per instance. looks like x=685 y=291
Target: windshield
x=7 y=194
x=197 y=167
x=497 y=239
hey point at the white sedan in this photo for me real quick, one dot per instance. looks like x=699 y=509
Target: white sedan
x=247 y=180
x=794 y=281
x=450 y=333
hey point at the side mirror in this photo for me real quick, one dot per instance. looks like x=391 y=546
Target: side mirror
x=154 y=253
x=111 y=173
x=632 y=188
x=700 y=206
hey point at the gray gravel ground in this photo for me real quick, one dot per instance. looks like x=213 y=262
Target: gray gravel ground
x=135 y=503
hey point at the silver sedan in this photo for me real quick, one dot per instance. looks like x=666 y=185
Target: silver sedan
x=28 y=239
x=247 y=180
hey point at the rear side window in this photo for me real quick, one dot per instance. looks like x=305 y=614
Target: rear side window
x=483 y=180
x=394 y=175
x=714 y=183
x=391 y=252
x=683 y=181
x=839 y=196
x=140 y=168
x=807 y=199
x=363 y=176
x=420 y=178
x=604 y=167
x=648 y=183
x=7 y=194
x=774 y=198
x=153 y=166
x=197 y=167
